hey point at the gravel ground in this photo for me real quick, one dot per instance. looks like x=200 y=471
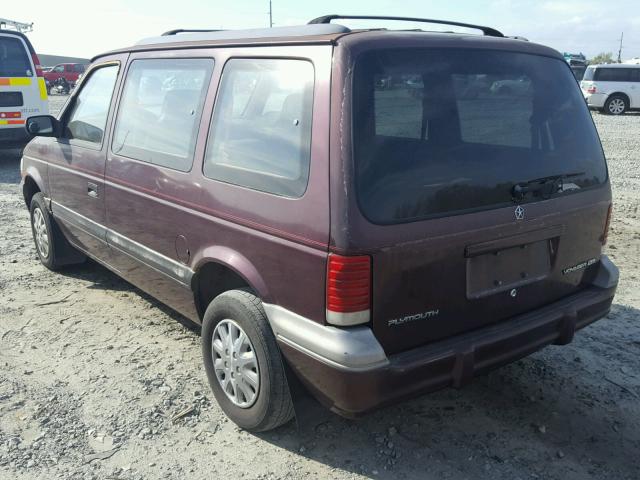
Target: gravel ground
x=100 y=381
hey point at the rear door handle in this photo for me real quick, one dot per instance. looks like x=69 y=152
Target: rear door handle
x=92 y=190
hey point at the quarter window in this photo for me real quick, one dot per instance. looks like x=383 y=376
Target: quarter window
x=160 y=111
x=260 y=135
x=88 y=116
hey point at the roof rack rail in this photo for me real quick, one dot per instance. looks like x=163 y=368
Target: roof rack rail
x=187 y=30
x=492 y=32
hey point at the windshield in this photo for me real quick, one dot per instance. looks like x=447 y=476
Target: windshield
x=14 y=61
x=447 y=131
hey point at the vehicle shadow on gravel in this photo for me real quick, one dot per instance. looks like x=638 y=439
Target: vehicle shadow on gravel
x=565 y=412
x=101 y=278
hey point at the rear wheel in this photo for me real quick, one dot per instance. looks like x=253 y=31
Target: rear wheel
x=243 y=362
x=616 y=105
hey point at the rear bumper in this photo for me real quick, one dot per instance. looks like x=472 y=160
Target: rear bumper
x=13 y=135
x=595 y=100
x=347 y=370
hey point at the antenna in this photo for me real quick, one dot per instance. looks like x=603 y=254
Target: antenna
x=18 y=26
x=620 y=49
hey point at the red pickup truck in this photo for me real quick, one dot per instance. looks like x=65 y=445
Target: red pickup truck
x=69 y=71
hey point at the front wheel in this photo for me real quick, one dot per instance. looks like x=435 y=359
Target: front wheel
x=616 y=105
x=243 y=362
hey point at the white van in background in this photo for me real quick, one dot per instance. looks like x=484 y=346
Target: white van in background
x=613 y=89
x=23 y=92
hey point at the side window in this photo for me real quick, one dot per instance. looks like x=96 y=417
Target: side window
x=260 y=135
x=88 y=115
x=78 y=68
x=160 y=111
x=58 y=69
x=613 y=74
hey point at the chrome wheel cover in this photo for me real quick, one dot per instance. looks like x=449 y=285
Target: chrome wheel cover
x=235 y=363
x=616 y=106
x=40 y=233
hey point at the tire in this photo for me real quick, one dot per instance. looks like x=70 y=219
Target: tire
x=616 y=105
x=269 y=405
x=43 y=226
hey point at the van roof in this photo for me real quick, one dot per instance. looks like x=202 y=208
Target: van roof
x=321 y=31
x=615 y=65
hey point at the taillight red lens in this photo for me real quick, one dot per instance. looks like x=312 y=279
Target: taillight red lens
x=348 y=289
x=36 y=64
x=591 y=89
x=607 y=223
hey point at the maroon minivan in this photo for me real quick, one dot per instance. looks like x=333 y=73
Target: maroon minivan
x=375 y=213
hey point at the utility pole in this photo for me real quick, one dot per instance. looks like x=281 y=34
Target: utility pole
x=270 y=15
x=620 y=49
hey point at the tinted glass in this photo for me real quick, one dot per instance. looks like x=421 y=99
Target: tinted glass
x=78 y=68
x=160 y=111
x=589 y=73
x=88 y=115
x=451 y=131
x=604 y=74
x=260 y=135
x=14 y=61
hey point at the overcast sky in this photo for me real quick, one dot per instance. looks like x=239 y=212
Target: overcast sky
x=87 y=27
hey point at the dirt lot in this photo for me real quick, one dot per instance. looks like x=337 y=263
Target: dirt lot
x=92 y=372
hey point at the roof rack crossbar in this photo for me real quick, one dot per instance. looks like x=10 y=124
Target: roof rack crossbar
x=492 y=32
x=187 y=30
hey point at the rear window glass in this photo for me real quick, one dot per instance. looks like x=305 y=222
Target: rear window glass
x=14 y=61
x=447 y=131
x=589 y=73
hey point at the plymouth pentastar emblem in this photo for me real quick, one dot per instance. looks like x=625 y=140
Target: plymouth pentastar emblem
x=519 y=212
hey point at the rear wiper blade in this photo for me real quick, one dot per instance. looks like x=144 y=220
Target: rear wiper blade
x=543 y=186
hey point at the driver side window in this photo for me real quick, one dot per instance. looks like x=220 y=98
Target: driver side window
x=88 y=115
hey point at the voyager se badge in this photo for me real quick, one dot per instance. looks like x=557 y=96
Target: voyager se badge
x=394 y=322
x=580 y=266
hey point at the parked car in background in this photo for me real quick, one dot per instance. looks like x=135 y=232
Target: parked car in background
x=22 y=87
x=515 y=86
x=350 y=210
x=69 y=71
x=612 y=88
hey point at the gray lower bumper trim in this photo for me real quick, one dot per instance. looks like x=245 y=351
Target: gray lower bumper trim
x=608 y=274
x=353 y=348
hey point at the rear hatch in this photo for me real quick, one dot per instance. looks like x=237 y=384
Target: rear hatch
x=483 y=184
x=22 y=91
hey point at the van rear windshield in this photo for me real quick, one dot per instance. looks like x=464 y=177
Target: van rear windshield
x=448 y=131
x=14 y=61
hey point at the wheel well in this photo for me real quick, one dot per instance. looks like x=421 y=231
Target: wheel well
x=29 y=189
x=620 y=94
x=211 y=280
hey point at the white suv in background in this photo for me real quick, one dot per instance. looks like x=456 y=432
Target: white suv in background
x=613 y=88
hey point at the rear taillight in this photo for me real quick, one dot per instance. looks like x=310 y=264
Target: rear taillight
x=591 y=89
x=36 y=64
x=605 y=233
x=348 y=289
